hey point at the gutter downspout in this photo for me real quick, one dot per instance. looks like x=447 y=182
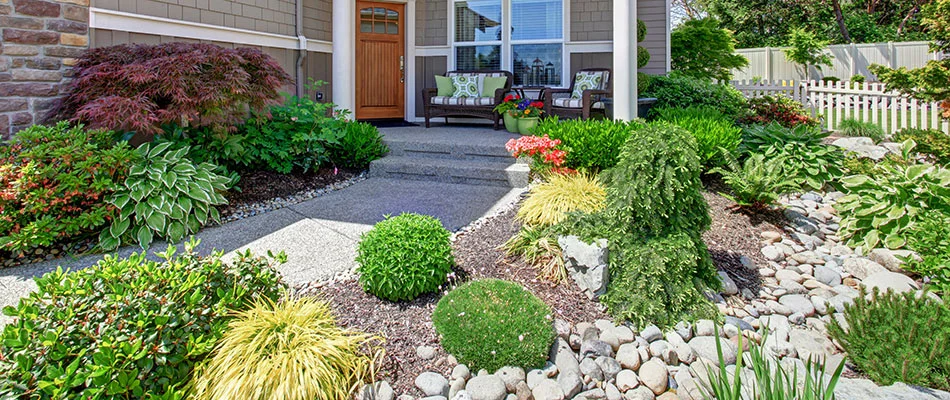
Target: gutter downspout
x=301 y=49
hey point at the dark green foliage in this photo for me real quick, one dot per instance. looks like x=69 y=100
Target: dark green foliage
x=676 y=90
x=758 y=138
x=166 y=196
x=653 y=286
x=933 y=144
x=491 y=323
x=296 y=135
x=853 y=127
x=126 y=328
x=403 y=257
x=930 y=238
x=758 y=182
x=779 y=109
x=712 y=130
x=654 y=205
x=590 y=144
x=898 y=337
x=701 y=49
x=55 y=182
x=360 y=144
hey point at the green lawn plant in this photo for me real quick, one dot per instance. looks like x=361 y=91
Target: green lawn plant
x=712 y=130
x=405 y=256
x=653 y=222
x=772 y=380
x=879 y=209
x=929 y=237
x=491 y=323
x=55 y=181
x=165 y=196
x=853 y=127
x=897 y=338
x=127 y=327
x=592 y=145
x=756 y=183
x=292 y=349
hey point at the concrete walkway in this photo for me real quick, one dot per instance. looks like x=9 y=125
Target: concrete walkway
x=318 y=235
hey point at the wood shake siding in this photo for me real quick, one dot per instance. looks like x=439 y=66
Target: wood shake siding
x=432 y=25
x=271 y=16
x=592 y=21
x=317 y=19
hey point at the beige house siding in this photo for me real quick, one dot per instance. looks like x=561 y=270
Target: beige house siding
x=591 y=20
x=426 y=70
x=319 y=67
x=580 y=61
x=432 y=25
x=317 y=19
x=271 y=16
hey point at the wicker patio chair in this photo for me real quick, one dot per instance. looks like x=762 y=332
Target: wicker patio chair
x=563 y=103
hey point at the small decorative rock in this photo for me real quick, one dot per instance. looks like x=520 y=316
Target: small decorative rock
x=729 y=286
x=862 y=268
x=639 y=393
x=462 y=372
x=433 y=384
x=596 y=348
x=609 y=367
x=586 y=264
x=511 y=376
x=377 y=391
x=593 y=394
x=489 y=387
x=705 y=327
x=425 y=352
x=627 y=380
x=827 y=275
x=612 y=392
x=798 y=304
x=547 y=389
x=624 y=334
x=629 y=356
x=570 y=383
x=651 y=333
x=654 y=375
x=522 y=392
x=705 y=347
x=773 y=253
x=589 y=368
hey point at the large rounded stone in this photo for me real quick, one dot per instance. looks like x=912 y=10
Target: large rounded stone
x=639 y=393
x=377 y=391
x=827 y=275
x=570 y=382
x=654 y=375
x=798 y=304
x=627 y=380
x=547 y=389
x=861 y=268
x=705 y=347
x=887 y=280
x=590 y=369
x=511 y=376
x=651 y=333
x=609 y=366
x=433 y=384
x=629 y=356
x=488 y=387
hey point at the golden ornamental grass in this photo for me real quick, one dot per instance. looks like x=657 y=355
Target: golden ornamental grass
x=548 y=203
x=288 y=350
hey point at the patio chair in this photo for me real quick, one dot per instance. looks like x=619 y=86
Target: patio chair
x=583 y=99
x=478 y=107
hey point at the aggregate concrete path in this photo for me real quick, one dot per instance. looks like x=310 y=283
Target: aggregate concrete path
x=319 y=236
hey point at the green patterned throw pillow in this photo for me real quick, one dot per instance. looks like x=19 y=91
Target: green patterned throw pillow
x=586 y=81
x=465 y=86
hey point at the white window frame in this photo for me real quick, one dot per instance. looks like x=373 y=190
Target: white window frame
x=506 y=43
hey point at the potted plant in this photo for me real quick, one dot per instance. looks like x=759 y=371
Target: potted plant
x=529 y=112
x=507 y=110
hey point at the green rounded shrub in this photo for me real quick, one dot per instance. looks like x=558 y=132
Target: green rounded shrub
x=592 y=145
x=493 y=323
x=404 y=257
x=677 y=90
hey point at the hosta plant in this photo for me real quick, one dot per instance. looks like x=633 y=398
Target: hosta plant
x=758 y=182
x=811 y=167
x=165 y=196
x=54 y=181
x=292 y=349
x=127 y=328
x=879 y=209
x=758 y=138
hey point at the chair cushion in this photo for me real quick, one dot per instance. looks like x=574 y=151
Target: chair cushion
x=492 y=83
x=444 y=85
x=588 y=80
x=465 y=86
x=570 y=102
x=463 y=101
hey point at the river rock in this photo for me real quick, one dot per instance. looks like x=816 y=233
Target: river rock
x=655 y=375
x=586 y=264
x=488 y=387
x=887 y=280
x=433 y=384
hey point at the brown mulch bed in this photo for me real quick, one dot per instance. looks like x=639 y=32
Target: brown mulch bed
x=409 y=325
x=257 y=186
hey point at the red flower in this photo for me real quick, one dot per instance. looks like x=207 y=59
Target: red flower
x=512 y=97
x=537 y=104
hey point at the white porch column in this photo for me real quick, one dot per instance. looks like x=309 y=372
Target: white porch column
x=344 y=36
x=625 y=60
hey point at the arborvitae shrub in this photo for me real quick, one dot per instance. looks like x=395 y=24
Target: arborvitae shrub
x=139 y=88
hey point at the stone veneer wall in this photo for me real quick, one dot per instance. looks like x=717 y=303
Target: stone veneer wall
x=40 y=42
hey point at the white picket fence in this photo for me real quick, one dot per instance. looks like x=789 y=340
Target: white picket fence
x=864 y=101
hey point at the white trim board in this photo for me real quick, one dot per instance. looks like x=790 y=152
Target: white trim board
x=137 y=23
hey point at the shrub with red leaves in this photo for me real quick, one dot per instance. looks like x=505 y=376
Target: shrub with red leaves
x=139 y=88
x=53 y=184
x=781 y=109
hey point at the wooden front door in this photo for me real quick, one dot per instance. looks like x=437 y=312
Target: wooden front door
x=380 y=60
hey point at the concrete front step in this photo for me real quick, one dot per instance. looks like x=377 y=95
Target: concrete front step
x=457 y=151
x=505 y=173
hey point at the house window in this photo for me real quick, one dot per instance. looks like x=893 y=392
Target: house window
x=525 y=37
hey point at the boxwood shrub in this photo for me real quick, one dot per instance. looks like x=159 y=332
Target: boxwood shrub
x=126 y=327
x=493 y=323
x=405 y=256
